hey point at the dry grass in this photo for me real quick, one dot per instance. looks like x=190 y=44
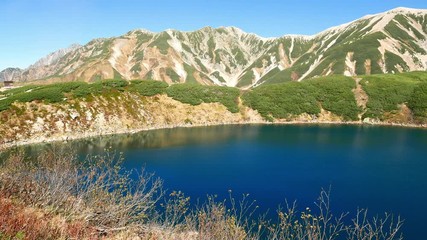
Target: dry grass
x=19 y=221
x=57 y=196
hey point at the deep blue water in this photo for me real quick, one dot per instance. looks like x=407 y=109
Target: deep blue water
x=383 y=169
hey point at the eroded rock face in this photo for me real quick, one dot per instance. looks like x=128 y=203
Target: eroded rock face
x=125 y=113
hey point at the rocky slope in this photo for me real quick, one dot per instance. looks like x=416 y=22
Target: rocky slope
x=394 y=41
x=128 y=112
x=10 y=74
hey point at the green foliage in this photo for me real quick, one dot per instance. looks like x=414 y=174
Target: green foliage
x=293 y=98
x=277 y=76
x=196 y=94
x=5 y=104
x=387 y=91
x=217 y=75
x=161 y=42
x=173 y=75
x=335 y=95
x=148 y=87
x=49 y=94
x=149 y=75
x=239 y=56
x=403 y=20
x=418 y=101
x=246 y=79
x=282 y=100
x=136 y=68
x=117 y=75
x=139 y=56
x=202 y=67
x=186 y=48
x=190 y=74
x=408 y=42
x=218 y=54
x=99 y=87
x=66 y=87
x=142 y=38
x=52 y=93
x=364 y=48
x=392 y=60
x=211 y=47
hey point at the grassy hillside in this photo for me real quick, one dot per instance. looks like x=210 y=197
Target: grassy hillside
x=293 y=98
x=193 y=94
x=387 y=94
x=196 y=94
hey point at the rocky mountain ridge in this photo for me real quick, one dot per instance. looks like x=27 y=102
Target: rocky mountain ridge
x=390 y=42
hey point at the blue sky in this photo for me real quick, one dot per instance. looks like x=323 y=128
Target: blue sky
x=30 y=29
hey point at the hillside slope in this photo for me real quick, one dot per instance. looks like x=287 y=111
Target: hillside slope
x=37 y=113
x=390 y=42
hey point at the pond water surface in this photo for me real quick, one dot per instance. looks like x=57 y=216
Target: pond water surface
x=383 y=169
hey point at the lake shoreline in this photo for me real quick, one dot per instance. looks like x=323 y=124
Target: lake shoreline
x=87 y=135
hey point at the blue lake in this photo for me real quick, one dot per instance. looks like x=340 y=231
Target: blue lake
x=383 y=169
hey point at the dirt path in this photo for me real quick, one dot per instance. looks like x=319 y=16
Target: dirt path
x=361 y=96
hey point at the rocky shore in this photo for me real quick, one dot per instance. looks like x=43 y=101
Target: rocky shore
x=33 y=123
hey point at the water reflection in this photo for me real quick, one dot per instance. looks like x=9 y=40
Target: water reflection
x=382 y=168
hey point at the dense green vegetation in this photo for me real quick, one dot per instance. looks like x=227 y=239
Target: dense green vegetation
x=49 y=93
x=246 y=79
x=387 y=91
x=418 y=101
x=58 y=92
x=282 y=100
x=190 y=74
x=196 y=94
x=173 y=75
x=148 y=87
x=187 y=93
x=99 y=87
x=293 y=98
x=161 y=42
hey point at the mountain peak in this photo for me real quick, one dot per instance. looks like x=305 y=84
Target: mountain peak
x=380 y=43
x=54 y=56
x=407 y=10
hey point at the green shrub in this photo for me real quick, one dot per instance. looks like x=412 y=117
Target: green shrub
x=196 y=94
x=387 y=91
x=99 y=87
x=282 y=100
x=82 y=91
x=49 y=94
x=113 y=83
x=5 y=104
x=294 y=98
x=67 y=87
x=418 y=101
x=148 y=87
x=335 y=95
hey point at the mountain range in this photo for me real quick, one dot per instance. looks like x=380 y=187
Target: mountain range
x=390 y=42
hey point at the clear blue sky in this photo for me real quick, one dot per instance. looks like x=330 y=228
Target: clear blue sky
x=31 y=29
